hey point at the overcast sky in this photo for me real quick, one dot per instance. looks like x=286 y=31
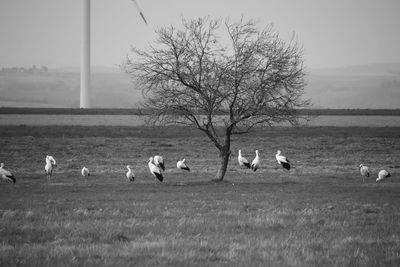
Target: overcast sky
x=333 y=32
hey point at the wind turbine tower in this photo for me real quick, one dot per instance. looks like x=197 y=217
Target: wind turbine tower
x=85 y=63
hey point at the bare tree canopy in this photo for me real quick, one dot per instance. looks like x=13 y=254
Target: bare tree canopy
x=190 y=77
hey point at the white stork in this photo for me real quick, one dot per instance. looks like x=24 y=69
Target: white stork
x=364 y=171
x=130 y=175
x=255 y=164
x=382 y=175
x=85 y=172
x=282 y=160
x=6 y=175
x=159 y=162
x=242 y=160
x=52 y=160
x=155 y=170
x=48 y=168
x=182 y=165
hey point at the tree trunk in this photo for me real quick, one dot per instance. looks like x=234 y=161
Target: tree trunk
x=224 y=157
x=224 y=154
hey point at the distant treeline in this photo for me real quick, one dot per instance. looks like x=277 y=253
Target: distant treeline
x=137 y=111
x=33 y=69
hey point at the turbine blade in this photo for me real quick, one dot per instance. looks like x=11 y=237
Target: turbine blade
x=140 y=11
x=141 y=14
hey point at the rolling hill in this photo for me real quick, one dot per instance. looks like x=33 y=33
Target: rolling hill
x=368 y=86
x=60 y=88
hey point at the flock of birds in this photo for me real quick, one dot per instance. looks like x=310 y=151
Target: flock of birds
x=255 y=164
x=156 y=166
x=382 y=174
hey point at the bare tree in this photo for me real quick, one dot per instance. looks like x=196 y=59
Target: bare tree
x=190 y=77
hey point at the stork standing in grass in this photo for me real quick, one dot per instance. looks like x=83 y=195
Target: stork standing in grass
x=52 y=160
x=382 y=175
x=255 y=164
x=242 y=160
x=155 y=170
x=159 y=162
x=6 y=175
x=48 y=168
x=130 y=175
x=364 y=171
x=182 y=165
x=282 y=160
x=85 y=172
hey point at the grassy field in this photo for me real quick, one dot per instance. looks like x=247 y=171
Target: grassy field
x=318 y=214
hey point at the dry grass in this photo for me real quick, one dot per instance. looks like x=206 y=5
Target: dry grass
x=319 y=214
